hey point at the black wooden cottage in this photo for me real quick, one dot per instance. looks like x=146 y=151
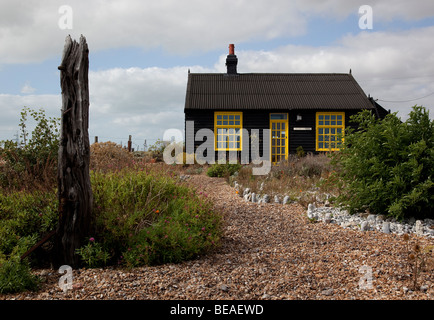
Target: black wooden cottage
x=310 y=110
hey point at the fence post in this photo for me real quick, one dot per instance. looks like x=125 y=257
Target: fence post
x=74 y=189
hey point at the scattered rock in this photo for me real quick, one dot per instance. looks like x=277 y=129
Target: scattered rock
x=254 y=197
x=386 y=227
x=419 y=228
x=224 y=288
x=364 y=226
x=327 y=292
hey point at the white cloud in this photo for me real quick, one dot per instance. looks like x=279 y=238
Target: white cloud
x=27 y=88
x=29 y=30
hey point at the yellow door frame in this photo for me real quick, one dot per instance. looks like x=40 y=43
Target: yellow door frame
x=276 y=134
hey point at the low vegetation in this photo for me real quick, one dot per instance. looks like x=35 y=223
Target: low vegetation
x=144 y=214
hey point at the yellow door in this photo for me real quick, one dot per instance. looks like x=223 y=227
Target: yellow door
x=279 y=137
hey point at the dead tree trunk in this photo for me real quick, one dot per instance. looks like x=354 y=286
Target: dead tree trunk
x=74 y=189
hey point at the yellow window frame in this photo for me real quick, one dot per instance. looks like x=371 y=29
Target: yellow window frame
x=229 y=122
x=329 y=126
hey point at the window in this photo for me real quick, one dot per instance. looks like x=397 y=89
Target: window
x=330 y=128
x=227 y=130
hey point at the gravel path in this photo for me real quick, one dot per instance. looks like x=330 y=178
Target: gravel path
x=269 y=251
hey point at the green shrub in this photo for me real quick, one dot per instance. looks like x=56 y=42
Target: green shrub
x=24 y=218
x=145 y=217
x=93 y=255
x=31 y=164
x=388 y=165
x=16 y=276
x=223 y=170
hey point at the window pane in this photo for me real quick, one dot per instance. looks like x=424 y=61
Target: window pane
x=283 y=126
x=339 y=123
x=326 y=145
x=219 y=122
x=278 y=142
x=273 y=125
x=326 y=123
x=327 y=117
x=231 y=117
x=225 y=123
x=332 y=123
x=320 y=130
x=237 y=123
x=339 y=117
x=278 y=126
x=219 y=116
x=320 y=145
x=333 y=131
x=333 y=117
x=278 y=116
x=238 y=145
x=237 y=117
x=283 y=150
x=320 y=138
x=321 y=117
x=225 y=117
x=231 y=122
x=326 y=130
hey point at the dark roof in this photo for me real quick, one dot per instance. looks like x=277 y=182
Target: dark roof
x=331 y=91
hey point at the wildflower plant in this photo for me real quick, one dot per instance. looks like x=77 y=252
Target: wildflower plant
x=93 y=255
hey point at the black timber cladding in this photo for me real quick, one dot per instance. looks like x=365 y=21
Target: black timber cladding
x=257 y=95
x=266 y=91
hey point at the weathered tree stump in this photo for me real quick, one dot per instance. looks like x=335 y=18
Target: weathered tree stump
x=74 y=188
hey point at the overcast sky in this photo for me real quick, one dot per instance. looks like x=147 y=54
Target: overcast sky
x=141 y=51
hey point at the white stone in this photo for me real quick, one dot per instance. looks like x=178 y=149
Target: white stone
x=364 y=226
x=266 y=198
x=386 y=227
x=276 y=199
x=285 y=200
x=328 y=217
x=419 y=228
x=246 y=191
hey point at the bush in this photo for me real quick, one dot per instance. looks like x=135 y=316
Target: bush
x=388 y=165
x=16 y=276
x=108 y=156
x=24 y=218
x=223 y=170
x=146 y=217
x=32 y=164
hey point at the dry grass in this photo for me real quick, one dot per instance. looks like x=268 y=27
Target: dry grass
x=305 y=179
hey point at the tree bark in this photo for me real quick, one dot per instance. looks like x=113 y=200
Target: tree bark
x=74 y=189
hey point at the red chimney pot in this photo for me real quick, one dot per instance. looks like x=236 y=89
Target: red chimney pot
x=231 y=49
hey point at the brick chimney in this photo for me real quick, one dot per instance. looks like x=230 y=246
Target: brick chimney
x=231 y=60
